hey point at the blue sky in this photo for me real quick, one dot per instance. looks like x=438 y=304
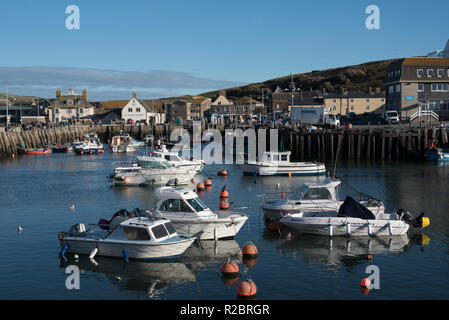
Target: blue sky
x=167 y=48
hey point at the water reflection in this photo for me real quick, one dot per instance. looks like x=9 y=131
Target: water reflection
x=314 y=249
x=154 y=278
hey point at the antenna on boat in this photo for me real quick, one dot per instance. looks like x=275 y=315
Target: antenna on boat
x=336 y=158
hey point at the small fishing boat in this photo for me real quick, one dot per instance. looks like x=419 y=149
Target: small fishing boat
x=174 y=159
x=34 y=151
x=312 y=197
x=136 y=238
x=191 y=216
x=437 y=154
x=62 y=148
x=278 y=163
x=90 y=145
x=354 y=219
x=151 y=171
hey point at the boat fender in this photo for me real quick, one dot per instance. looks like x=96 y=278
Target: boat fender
x=64 y=249
x=369 y=229
x=348 y=229
x=125 y=256
x=330 y=230
x=93 y=253
x=390 y=229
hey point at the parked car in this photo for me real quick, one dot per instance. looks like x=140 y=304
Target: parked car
x=389 y=117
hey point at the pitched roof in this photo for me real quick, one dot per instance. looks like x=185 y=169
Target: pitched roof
x=425 y=61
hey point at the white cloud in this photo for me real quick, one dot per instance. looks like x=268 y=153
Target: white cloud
x=105 y=84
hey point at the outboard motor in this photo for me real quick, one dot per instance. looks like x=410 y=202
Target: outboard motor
x=418 y=222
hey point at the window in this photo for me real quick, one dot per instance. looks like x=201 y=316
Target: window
x=420 y=73
x=184 y=207
x=81 y=110
x=445 y=105
x=352 y=100
x=430 y=73
x=159 y=231
x=391 y=89
x=440 y=87
x=434 y=105
x=171 y=205
x=134 y=233
x=170 y=228
x=334 y=101
x=440 y=73
x=56 y=110
x=137 y=109
x=195 y=205
x=130 y=109
x=420 y=87
x=367 y=108
x=317 y=194
x=382 y=100
x=352 y=107
x=397 y=88
x=284 y=157
x=334 y=108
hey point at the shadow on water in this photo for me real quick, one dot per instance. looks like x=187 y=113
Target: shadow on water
x=154 y=278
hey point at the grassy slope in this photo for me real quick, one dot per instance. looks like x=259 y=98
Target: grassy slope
x=357 y=78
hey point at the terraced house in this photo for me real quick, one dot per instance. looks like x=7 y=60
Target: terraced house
x=418 y=84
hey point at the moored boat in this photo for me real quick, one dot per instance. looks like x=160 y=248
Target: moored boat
x=437 y=154
x=354 y=219
x=136 y=238
x=191 y=216
x=278 y=163
x=34 y=151
x=321 y=196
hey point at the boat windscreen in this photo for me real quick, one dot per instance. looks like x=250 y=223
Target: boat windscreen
x=353 y=208
x=195 y=205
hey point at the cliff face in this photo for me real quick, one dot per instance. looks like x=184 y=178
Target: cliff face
x=355 y=79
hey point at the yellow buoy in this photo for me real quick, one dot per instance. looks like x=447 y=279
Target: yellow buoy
x=289 y=174
x=425 y=221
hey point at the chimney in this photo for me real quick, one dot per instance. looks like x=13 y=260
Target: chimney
x=222 y=93
x=378 y=90
x=134 y=95
x=58 y=93
x=370 y=91
x=85 y=95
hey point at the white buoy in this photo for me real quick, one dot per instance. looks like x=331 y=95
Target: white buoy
x=330 y=230
x=390 y=228
x=93 y=253
x=72 y=207
x=348 y=229
x=76 y=256
x=215 y=235
x=278 y=185
x=19 y=228
x=95 y=263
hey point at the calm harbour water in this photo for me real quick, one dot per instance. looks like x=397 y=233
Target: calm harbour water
x=36 y=192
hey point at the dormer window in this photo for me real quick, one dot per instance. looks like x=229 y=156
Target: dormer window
x=430 y=73
x=440 y=73
x=420 y=73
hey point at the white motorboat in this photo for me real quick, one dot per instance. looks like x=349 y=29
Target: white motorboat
x=354 y=219
x=91 y=144
x=136 y=238
x=322 y=196
x=122 y=143
x=174 y=159
x=278 y=163
x=191 y=216
x=152 y=171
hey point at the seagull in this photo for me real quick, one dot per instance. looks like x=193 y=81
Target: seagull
x=19 y=228
x=72 y=207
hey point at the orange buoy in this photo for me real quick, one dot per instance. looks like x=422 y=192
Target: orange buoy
x=200 y=187
x=249 y=262
x=274 y=226
x=222 y=172
x=208 y=183
x=365 y=283
x=283 y=194
x=249 y=250
x=82 y=152
x=229 y=282
x=246 y=289
x=223 y=204
x=230 y=270
x=224 y=194
x=369 y=257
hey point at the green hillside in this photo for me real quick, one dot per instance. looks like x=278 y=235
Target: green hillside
x=357 y=78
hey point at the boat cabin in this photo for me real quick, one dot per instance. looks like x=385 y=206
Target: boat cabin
x=146 y=162
x=276 y=157
x=319 y=191
x=179 y=200
x=144 y=229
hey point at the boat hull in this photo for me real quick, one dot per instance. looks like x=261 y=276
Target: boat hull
x=310 y=169
x=357 y=227
x=209 y=229
x=133 y=250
